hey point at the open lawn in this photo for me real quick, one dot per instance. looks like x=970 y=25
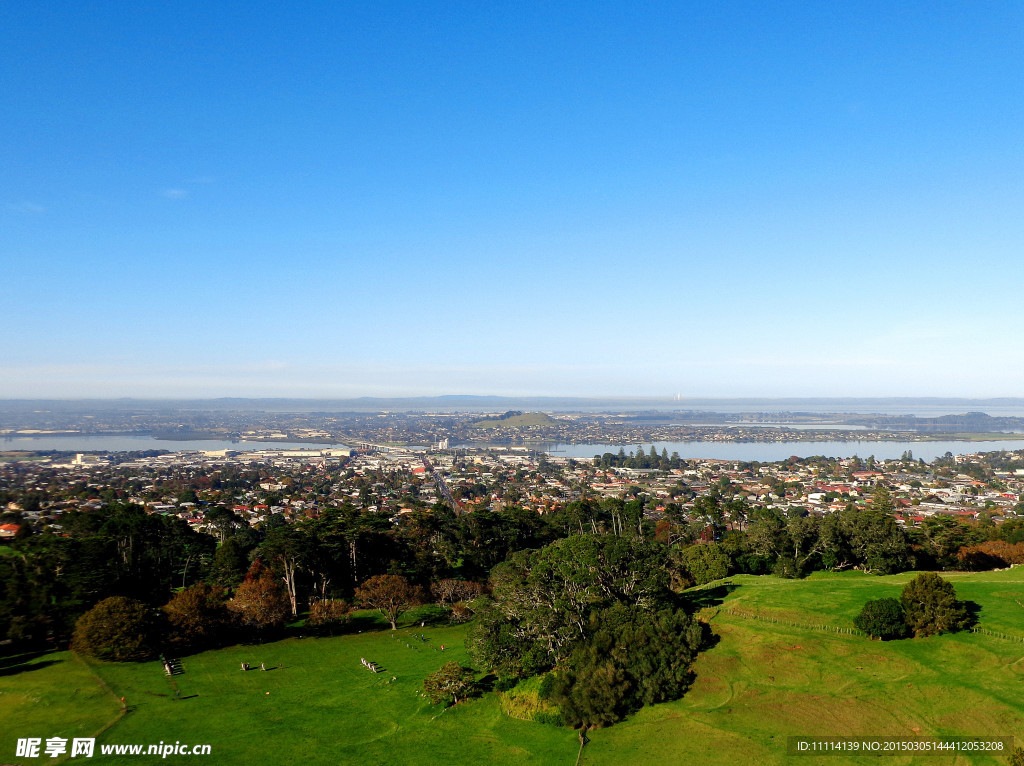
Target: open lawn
x=320 y=706
x=762 y=682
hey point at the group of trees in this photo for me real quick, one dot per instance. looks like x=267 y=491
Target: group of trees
x=204 y=616
x=48 y=580
x=198 y=617
x=639 y=459
x=928 y=605
x=585 y=595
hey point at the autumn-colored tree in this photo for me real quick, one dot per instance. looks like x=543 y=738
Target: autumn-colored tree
x=991 y=554
x=198 y=616
x=117 y=628
x=259 y=601
x=391 y=595
x=450 y=683
x=328 y=613
x=448 y=592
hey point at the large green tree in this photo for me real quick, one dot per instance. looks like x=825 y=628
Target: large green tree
x=631 y=658
x=931 y=606
x=542 y=600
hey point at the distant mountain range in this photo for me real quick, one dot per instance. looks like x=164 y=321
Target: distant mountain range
x=894 y=407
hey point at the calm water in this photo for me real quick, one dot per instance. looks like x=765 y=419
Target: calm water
x=771 y=451
x=761 y=451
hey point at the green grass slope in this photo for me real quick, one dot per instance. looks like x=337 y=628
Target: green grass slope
x=51 y=695
x=765 y=681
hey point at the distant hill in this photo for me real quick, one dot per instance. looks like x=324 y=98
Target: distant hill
x=514 y=420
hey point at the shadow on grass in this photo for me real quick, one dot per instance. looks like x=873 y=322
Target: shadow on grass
x=708 y=638
x=973 y=609
x=695 y=600
x=364 y=622
x=24 y=667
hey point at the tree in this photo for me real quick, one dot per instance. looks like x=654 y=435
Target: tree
x=230 y=563
x=881 y=500
x=329 y=613
x=117 y=628
x=706 y=562
x=931 y=606
x=875 y=541
x=198 y=616
x=285 y=546
x=632 y=658
x=882 y=618
x=259 y=601
x=449 y=683
x=391 y=595
x=543 y=599
x=448 y=591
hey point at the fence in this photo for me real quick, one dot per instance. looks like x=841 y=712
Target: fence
x=994 y=634
x=793 y=624
x=838 y=629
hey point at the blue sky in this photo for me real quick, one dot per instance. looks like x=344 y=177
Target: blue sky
x=338 y=199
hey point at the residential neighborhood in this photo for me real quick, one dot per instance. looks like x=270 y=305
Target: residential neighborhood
x=393 y=482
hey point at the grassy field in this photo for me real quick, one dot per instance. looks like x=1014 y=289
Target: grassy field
x=762 y=682
x=765 y=681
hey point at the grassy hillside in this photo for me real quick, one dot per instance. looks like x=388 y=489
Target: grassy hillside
x=763 y=681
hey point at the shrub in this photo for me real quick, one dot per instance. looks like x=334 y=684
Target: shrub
x=504 y=683
x=931 y=606
x=882 y=618
x=528 y=702
x=117 y=628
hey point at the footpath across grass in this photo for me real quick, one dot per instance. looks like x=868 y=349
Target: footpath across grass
x=762 y=682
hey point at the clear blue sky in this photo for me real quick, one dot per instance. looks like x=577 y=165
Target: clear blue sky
x=579 y=198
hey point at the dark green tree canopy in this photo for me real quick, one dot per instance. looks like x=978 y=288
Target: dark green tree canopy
x=631 y=659
x=931 y=606
x=882 y=618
